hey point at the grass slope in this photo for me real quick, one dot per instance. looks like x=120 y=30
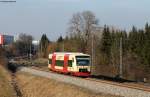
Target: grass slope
x=33 y=86
x=6 y=89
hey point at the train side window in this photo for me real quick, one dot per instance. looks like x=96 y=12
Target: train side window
x=70 y=63
x=59 y=62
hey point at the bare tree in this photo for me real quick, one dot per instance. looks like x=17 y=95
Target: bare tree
x=82 y=25
x=89 y=21
x=24 y=44
x=25 y=38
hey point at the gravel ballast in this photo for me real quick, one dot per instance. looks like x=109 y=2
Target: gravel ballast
x=94 y=86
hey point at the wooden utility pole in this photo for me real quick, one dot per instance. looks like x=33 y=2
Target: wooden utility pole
x=63 y=48
x=121 y=65
x=92 y=50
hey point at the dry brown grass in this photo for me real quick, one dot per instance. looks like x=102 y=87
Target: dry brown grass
x=6 y=89
x=41 y=61
x=33 y=86
x=37 y=62
x=3 y=61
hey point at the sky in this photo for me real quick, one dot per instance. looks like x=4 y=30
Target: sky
x=51 y=17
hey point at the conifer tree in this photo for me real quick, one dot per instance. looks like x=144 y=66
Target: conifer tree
x=44 y=42
x=106 y=41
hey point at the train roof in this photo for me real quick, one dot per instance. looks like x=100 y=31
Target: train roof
x=70 y=53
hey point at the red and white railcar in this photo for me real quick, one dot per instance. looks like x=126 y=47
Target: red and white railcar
x=77 y=64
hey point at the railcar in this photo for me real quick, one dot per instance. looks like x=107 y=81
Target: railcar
x=77 y=64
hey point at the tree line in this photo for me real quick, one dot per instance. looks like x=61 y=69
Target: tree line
x=107 y=43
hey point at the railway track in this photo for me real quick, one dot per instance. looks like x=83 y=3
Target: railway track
x=124 y=84
x=97 y=86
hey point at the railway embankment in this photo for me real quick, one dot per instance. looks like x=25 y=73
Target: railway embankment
x=45 y=87
x=36 y=86
x=97 y=87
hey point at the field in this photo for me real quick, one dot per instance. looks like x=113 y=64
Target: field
x=33 y=86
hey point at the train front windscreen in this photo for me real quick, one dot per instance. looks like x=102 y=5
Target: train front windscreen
x=83 y=60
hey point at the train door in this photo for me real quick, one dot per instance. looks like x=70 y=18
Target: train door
x=65 y=66
x=53 y=61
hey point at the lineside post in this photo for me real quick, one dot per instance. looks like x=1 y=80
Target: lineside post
x=121 y=65
x=92 y=59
